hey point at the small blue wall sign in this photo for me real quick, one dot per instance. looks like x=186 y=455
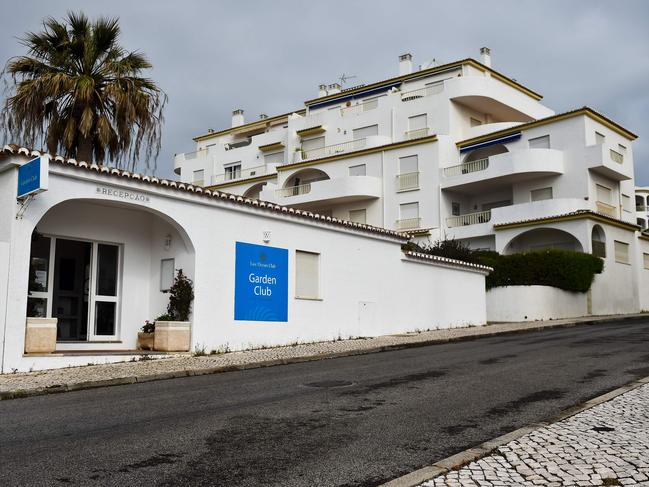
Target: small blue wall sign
x=33 y=177
x=261 y=283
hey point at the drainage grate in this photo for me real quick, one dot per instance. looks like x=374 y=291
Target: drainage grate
x=603 y=429
x=329 y=384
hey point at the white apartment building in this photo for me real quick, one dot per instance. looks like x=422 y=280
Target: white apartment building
x=456 y=150
x=642 y=207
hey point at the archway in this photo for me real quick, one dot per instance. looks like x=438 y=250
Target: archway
x=543 y=238
x=102 y=268
x=305 y=176
x=485 y=152
x=254 y=191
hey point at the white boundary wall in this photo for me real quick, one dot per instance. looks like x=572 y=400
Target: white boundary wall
x=529 y=303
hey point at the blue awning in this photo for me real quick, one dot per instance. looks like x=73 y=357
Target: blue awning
x=498 y=140
x=358 y=94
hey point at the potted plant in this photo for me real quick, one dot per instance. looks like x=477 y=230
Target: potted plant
x=145 y=337
x=173 y=330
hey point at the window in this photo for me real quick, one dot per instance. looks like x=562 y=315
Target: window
x=626 y=203
x=621 y=148
x=408 y=165
x=475 y=122
x=314 y=143
x=361 y=133
x=621 y=252
x=603 y=194
x=599 y=138
x=645 y=260
x=274 y=158
x=39 y=273
x=642 y=223
x=434 y=87
x=307 y=275
x=409 y=210
x=598 y=242
x=167 y=267
x=359 y=170
x=233 y=171
x=199 y=177
x=358 y=216
x=495 y=204
x=455 y=208
x=540 y=142
x=541 y=194
x=417 y=122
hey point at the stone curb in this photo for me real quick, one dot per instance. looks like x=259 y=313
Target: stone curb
x=69 y=387
x=459 y=460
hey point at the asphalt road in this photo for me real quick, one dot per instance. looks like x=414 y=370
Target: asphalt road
x=356 y=421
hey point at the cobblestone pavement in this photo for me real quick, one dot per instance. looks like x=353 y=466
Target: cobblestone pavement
x=607 y=444
x=183 y=365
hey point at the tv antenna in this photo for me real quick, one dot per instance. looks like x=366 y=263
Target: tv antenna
x=345 y=77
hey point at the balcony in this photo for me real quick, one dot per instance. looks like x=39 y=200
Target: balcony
x=468 y=219
x=429 y=90
x=359 y=108
x=341 y=148
x=606 y=209
x=246 y=173
x=408 y=181
x=640 y=208
x=199 y=156
x=607 y=162
x=417 y=133
x=506 y=168
x=408 y=224
x=337 y=190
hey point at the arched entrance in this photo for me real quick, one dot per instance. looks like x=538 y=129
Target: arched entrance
x=543 y=238
x=254 y=191
x=101 y=269
x=299 y=182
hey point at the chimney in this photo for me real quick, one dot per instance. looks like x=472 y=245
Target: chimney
x=322 y=90
x=333 y=88
x=263 y=116
x=237 y=117
x=405 y=64
x=485 y=56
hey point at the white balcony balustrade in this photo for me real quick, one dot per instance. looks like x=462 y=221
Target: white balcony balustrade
x=294 y=190
x=616 y=157
x=417 y=133
x=469 y=219
x=409 y=224
x=640 y=208
x=429 y=90
x=408 y=181
x=331 y=150
x=338 y=190
x=359 y=108
x=606 y=209
x=246 y=173
x=467 y=167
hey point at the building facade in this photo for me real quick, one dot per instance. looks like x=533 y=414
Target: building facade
x=642 y=207
x=451 y=151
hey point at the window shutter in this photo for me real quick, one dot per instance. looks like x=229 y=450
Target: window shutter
x=275 y=158
x=307 y=278
x=417 y=122
x=621 y=252
x=409 y=210
x=315 y=143
x=542 y=194
x=358 y=216
x=603 y=194
x=645 y=258
x=359 y=170
x=361 y=133
x=408 y=165
x=540 y=142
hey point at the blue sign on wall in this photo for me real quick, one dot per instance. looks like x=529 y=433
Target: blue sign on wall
x=261 y=283
x=32 y=177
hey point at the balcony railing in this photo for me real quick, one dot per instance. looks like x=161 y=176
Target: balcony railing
x=422 y=92
x=250 y=172
x=467 y=167
x=408 y=181
x=417 y=133
x=359 y=108
x=640 y=208
x=331 y=150
x=606 y=209
x=294 y=190
x=408 y=224
x=469 y=219
x=617 y=157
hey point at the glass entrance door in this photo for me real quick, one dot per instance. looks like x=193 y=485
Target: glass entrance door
x=76 y=282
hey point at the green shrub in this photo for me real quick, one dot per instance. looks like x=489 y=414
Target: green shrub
x=451 y=249
x=564 y=269
x=181 y=295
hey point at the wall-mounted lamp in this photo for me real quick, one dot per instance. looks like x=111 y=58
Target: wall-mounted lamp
x=266 y=236
x=167 y=242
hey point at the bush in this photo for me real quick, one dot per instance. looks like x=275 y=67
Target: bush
x=451 y=249
x=564 y=269
x=181 y=295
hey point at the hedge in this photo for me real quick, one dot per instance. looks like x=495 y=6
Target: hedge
x=565 y=269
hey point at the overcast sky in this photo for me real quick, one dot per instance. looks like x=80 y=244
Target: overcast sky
x=269 y=56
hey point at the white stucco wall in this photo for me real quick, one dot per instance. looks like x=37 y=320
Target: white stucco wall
x=530 y=303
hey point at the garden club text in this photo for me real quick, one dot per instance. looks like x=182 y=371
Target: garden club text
x=262 y=290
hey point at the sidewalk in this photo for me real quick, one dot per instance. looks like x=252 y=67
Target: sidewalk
x=69 y=379
x=607 y=444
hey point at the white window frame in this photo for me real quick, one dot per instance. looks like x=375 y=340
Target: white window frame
x=164 y=288
x=230 y=168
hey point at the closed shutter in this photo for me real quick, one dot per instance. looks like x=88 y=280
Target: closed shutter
x=645 y=258
x=540 y=142
x=199 y=177
x=359 y=170
x=409 y=210
x=603 y=194
x=626 y=202
x=315 y=143
x=621 y=252
x=358 y=216
x=542 y=194
x=275 y=158
x=361 y=133
x=307 y=274
x=417 y=122
x=408 y=164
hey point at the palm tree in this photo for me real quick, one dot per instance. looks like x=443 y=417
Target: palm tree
x=80 y=93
